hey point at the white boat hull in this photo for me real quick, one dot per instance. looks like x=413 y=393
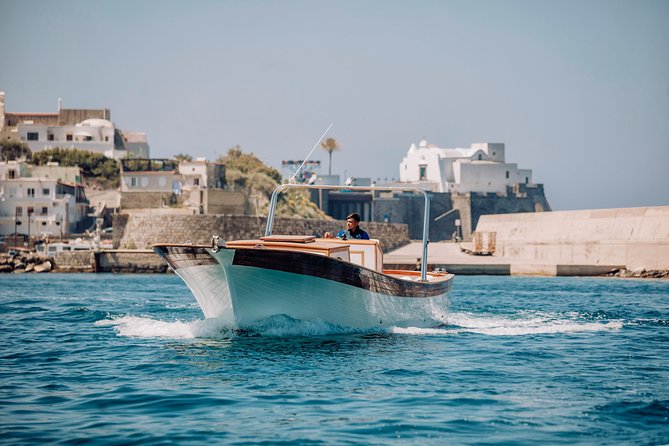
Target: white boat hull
x=242 y=287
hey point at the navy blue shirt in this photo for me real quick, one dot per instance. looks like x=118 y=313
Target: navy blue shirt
x=358 y=233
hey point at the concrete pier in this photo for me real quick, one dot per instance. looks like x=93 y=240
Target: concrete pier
x=448 y=255
x=632 y=237
x=571 y=243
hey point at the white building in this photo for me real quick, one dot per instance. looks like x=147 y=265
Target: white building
x=82 y=129
x=202 y=173
x=480 y=168
x=93 y=135
x=38 y=201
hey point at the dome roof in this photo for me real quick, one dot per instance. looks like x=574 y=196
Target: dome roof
x=96 y=123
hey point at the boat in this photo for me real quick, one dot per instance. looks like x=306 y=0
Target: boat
x=308 y=278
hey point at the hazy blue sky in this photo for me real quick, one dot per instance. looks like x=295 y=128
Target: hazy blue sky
x=577 y=90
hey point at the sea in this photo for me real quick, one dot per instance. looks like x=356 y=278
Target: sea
x=129 y=359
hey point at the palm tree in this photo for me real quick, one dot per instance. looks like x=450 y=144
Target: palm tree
x=330 y=145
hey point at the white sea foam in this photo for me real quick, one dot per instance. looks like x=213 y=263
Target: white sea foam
x=277 y=326
x=144 y=327
x=525 y=323
x=522 y=324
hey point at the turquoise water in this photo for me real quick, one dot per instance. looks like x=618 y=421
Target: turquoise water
x=123 y=359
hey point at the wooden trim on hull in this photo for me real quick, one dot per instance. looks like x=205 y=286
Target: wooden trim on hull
x=346 y=273
x=308 y=264
x=184 y=256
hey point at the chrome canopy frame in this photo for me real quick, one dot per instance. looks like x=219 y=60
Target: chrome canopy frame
x=426 y=221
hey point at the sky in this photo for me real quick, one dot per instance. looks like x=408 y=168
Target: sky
x=578 y=90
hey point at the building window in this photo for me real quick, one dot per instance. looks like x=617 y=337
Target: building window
x=133 y=182
x=480 y=157
x=507 y=174
x=422 y=172
x=527 y=180
x=68 y=137
x=46 y=191
x=49 y=137
x=43 y=223
x=196 y=181
x=33 y=136
x=31 y=211
x=19 y=211
x=12 y=174
x=31 y=192
x=45 y=210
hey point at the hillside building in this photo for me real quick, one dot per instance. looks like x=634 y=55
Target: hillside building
x=38 y=201
x=197 y=187
x=83 y=129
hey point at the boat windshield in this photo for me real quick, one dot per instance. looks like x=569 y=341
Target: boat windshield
x=284 y=187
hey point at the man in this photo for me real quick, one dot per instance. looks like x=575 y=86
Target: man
x=352 y=231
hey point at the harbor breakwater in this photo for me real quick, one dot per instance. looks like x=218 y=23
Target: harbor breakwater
x=634 y=238
x=84 y=261
x=25 y=262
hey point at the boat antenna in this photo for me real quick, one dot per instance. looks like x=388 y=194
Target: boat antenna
x=312 y=151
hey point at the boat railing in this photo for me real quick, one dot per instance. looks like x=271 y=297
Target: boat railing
x=426 y=220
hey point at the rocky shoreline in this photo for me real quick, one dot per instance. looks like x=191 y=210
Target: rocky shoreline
x=26 y=263
x=84 y=261
x=639 y=273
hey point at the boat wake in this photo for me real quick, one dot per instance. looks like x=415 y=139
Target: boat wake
x=144 y=327
x=520 y=324
x=276 y=326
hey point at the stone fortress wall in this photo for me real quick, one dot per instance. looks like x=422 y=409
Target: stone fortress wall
x=446 y=208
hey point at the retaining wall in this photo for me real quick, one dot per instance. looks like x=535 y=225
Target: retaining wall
x=75 y=261
x=128 y=261
x=634 y=237
x=109 y=261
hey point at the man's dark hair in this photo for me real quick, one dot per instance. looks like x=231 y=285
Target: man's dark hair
x=354 y=216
